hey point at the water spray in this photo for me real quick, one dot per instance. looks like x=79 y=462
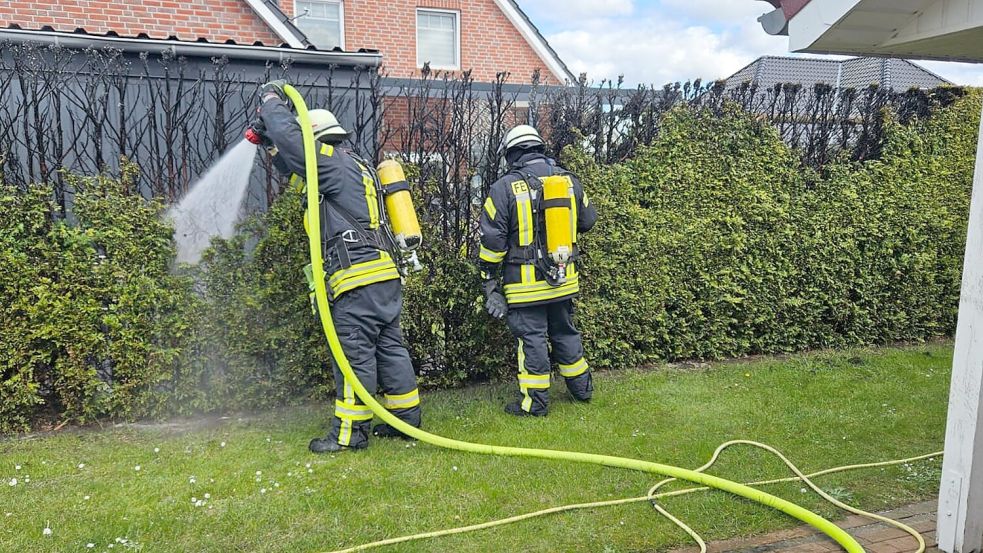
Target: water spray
x=324 y=312
x=211 y=206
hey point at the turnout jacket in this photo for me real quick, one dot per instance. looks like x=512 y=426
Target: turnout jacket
x=348 y=195
x=512 y=222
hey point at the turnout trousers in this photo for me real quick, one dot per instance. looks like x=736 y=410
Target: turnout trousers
x=367 y=322
x=540 y=329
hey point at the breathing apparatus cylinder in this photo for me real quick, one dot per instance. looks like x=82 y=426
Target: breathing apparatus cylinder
x=399 y=208
x=399 y=205
x=559 y=229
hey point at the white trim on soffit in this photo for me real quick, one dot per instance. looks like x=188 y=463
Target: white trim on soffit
x=534 y=39
x=270 y=18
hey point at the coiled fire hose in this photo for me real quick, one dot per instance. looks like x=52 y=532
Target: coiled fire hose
x=324 y=312
x=652 y=496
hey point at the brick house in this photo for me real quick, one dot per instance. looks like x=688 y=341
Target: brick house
x=330 y=48
x=486 y=36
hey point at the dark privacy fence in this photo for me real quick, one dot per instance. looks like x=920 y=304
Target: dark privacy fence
x=451 y=127
x=84 y=111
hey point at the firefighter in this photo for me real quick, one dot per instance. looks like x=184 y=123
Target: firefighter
x=364 y=284
x=539 y=283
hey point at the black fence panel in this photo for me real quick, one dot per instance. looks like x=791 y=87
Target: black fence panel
x=85 y=110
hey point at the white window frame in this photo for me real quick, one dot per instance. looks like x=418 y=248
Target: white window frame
x=341 y=19
x=457 y=39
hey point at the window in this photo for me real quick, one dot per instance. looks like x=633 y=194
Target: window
x=323 y=24
x=437 y=39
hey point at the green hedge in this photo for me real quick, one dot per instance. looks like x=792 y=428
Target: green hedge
x=730 y=249
x=92 y=295
x=711 y=243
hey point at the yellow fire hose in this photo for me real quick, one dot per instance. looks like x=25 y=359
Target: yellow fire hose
x=323 y=309
x=652 y=496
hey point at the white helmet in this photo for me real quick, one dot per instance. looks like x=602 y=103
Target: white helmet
x=325 y=125
x=520 y=135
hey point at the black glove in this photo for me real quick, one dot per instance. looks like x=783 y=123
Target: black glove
x=494 y=300
x=273 y=89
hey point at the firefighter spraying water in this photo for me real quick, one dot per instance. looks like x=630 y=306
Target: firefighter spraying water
x=369 y=235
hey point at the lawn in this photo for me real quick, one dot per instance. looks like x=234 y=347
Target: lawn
x=248 y=483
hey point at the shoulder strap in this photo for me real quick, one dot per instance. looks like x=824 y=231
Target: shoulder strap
x=384 y=234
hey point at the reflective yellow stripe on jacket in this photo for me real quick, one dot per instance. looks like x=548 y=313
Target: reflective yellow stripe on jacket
x=490 y=208
x=523 y=207
x=491 y=256
x=540 y=290
x=363 y=274
x=371 y=197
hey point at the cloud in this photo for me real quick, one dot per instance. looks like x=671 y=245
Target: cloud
x=967 y=74
x=716 y=10
x=672 y=40
x=548 y=13
x=656 y=51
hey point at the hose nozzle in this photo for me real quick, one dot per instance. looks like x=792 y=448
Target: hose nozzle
x=253 y=136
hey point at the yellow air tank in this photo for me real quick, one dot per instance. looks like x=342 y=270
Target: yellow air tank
x=559 y=228
x=399 y=205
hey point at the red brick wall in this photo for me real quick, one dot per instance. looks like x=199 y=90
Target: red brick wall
x=489 y=42
x=216 y=20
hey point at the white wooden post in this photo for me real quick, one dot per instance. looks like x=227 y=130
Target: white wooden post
x=960 y=519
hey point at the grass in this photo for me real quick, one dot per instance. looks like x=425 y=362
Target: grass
x=267 y=493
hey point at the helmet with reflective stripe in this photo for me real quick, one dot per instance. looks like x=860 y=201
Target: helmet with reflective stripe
x=326 y=126
x=521 y=136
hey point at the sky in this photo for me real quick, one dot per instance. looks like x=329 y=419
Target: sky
x=660 y=41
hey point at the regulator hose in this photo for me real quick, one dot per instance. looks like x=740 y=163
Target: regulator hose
x=324 y=312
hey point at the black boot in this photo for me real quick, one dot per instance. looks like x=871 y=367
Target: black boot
x=329 y=445
x=383 y=430
x=515 y=409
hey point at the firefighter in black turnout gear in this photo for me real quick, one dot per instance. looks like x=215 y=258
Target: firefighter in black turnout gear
x=364 y=284
x=540 y=278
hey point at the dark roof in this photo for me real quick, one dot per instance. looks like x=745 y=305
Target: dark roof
x=80 y=38
x=767 y=71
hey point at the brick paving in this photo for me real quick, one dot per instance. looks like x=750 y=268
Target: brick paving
x=875 y=537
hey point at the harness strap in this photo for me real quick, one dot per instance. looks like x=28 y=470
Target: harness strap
x=355 y=235
x=394 y=187
x=557 y=202
x=528 y=255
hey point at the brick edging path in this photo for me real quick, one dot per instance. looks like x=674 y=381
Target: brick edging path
x=874 y=536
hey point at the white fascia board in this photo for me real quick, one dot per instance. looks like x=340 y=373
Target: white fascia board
x=277 y=26
x=814 y=19
x=941 y=18
x=532 y=37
